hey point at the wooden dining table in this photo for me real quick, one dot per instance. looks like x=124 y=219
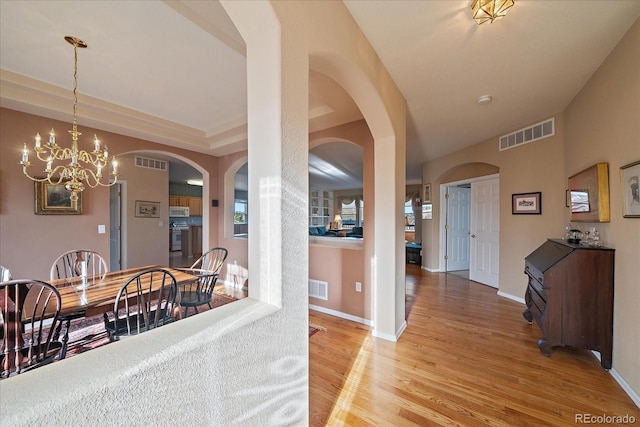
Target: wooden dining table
x=97 y=295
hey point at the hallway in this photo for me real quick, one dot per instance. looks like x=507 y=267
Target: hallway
x=467 y=357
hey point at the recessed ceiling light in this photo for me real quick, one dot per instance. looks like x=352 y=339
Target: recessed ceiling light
x=484 y=99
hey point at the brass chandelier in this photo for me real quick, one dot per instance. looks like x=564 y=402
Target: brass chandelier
x=73 y=175
x=490 y=10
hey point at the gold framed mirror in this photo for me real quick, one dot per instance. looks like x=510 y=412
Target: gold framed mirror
x=589 y=194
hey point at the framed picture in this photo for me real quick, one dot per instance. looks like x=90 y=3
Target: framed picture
x=54 y=199
x=526 y=203
x=147 y=209
x=427 y=193
x=589 y=194
x=427 y=211
x=629 y=181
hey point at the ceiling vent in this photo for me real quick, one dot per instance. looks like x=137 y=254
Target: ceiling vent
x=524 y=136
x=149 y=163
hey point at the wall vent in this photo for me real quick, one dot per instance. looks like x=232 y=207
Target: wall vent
x=149 y=163
x=524 y=136
x=318 y=289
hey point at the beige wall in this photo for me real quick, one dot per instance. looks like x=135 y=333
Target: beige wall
x=600 y=125
x=537 y=166
x=341 y=269
x=43 y=237
x=147 y=239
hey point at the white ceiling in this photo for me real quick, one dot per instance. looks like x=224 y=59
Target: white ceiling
x=174 y=72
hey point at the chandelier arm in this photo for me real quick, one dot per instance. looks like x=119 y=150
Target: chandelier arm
x=48 y=178
x=53 y=154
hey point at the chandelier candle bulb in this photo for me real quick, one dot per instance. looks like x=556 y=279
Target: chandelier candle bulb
x=49 y=163
x=96 y=143
x=38 y=139
x=52 y=137
x=25 y=154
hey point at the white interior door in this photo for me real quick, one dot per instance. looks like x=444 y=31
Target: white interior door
x=485 y=232
x=458 y=232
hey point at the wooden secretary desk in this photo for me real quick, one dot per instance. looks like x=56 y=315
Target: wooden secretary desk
x=570 y=296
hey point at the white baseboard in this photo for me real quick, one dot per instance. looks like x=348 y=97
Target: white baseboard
x=511 y=297
x=346 y=316
x=430 y=270
x=390 y=337
x=341 y=315
x=625 y=386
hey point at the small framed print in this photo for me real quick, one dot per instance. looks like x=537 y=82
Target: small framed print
x=526 y=204
x=55 y=199
x=147 y=209
x=427 y=193
x=629 y=182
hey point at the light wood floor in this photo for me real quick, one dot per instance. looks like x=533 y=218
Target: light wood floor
x=466 y=358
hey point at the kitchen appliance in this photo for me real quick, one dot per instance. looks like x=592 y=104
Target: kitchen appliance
x=175 y=230
x=178 y=211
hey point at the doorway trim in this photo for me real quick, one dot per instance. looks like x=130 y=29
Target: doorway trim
x=443 y=214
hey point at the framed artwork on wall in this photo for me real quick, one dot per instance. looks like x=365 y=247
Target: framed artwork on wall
x=146 y=209
x=427 y=193
x=54 y=199
x=629 y=181
x=526 y=203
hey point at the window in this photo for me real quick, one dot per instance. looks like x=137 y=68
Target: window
x=409 y=217
x=348 y=213
x=240 y=217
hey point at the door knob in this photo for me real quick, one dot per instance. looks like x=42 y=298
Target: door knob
x=473 y=235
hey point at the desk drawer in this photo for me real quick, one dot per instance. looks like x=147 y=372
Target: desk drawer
x=537 y=300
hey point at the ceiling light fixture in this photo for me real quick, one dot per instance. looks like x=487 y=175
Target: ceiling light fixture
x=484 y=99
x=72 y=175
x=490 y=10
x=195 y=182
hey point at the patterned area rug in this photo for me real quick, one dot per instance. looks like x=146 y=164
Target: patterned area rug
x=89 y=333
x=315 y=328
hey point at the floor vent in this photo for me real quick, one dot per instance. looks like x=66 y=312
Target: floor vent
x=524 y=136
x=149 y=163
x=318 y=289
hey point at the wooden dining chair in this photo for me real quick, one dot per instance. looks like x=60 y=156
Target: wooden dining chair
x=30 y=309
x=212 y=260
x=146 y=301
x=69 y=264
x=72 y=264
x=198 y=293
